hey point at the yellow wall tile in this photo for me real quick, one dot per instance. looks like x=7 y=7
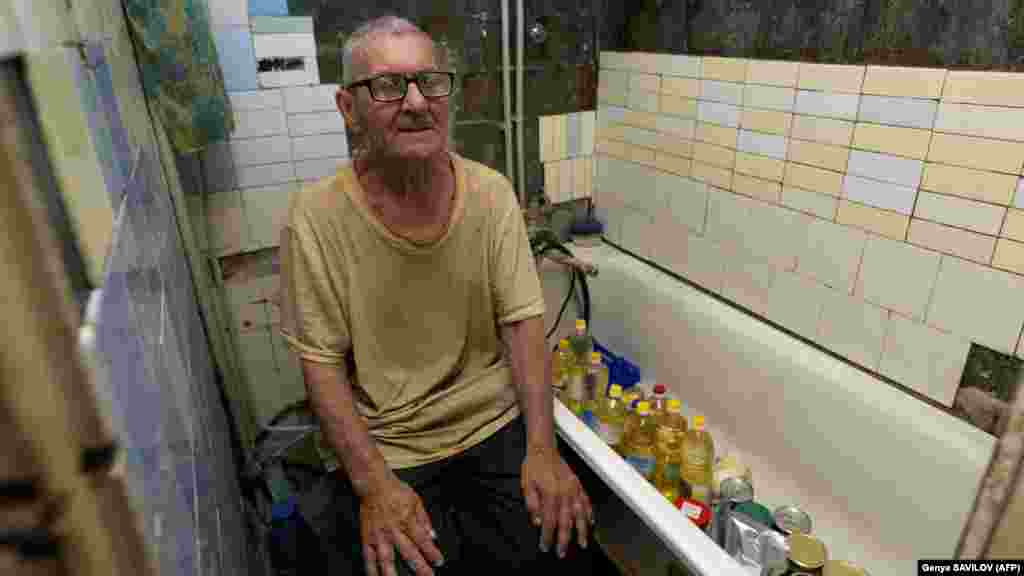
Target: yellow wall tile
x=772 y=72
x=566 y=181
x=727 y=69
x=671 y=163
x=542 y=141
x=713 y=175
x=820 y=205
x=1014 y=225
x=768 y=121
x=717 y=135
x=831 y=77
x=881 y=222
x=955 y=241
x=683 y=87
x=1009 y=256
x=674 y=145
x=557 y=131
x=976 y=216
x=640 y=119
x=814 y=179
x=760 y=166
x=645 y=82
x=996 y=88
x=980 y=153
x=976 y=184
x=678 y=106
x=900 y=81
x=641 y=155
x=579 y=177
x=909 y=142
x=824 y=130
x=614 y=132
x=613 y=148
x=551 y=188
x=756 y=188
x=817 y=154
x=636 y=61
x=715 y=155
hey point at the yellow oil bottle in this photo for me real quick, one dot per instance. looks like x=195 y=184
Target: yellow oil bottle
x=669 y=450
x=595 y=390
x=574 y=393
x=698 y=460
x=639 y=450
x=629 y=402
x=561 y=361
x=611 y=417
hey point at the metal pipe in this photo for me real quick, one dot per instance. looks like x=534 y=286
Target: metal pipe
x=520 y=109
x=506 y=83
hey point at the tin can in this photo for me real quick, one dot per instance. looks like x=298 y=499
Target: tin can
x=806 y=556
x=790 y=519
x=733 y=491
x=774 y=551
x=740 y=539
x=842 y=568
x=756 y=511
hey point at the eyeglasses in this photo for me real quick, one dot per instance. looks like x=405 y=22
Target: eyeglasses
x=394 y=87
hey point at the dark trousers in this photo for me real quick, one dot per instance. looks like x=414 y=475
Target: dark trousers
x=476 y=506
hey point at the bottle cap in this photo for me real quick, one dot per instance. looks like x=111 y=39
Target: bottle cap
x=659 y=389
x=698 y=422
x=643 y=408
x=563 y=344
x=615 y=391
x=581 y=324
x=595 y=357
x=674 y=405
x=283 y=510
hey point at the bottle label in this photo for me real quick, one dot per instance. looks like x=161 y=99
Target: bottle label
x=643 y=464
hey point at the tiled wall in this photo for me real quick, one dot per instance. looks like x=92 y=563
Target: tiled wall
x=154 y=357
x=871 y=209
x=566 y=148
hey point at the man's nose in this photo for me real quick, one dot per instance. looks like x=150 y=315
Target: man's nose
x=413 y=97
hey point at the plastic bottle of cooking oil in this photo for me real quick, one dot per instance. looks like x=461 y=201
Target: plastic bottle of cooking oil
x=595 y=389
x=561 y=361
x=698 y=460
x=629 y=402
x=611 y=417
x=669 y=450
x=574 y=391
x=639 y=451
x=581 y=343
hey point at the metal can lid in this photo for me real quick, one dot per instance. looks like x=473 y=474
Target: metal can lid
x=736 y=489
x=842 y=568
x=806 y=551
x=563 y=344
x=756 y=512
x=790 y=519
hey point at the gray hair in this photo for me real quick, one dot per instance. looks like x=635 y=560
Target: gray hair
x=384 y=25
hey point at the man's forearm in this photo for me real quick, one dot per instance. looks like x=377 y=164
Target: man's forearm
x=525 y=340
x=330 y=393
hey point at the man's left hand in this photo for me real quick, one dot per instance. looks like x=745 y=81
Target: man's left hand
x=555 y=498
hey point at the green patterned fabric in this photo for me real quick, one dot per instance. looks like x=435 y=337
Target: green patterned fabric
x=180 y=70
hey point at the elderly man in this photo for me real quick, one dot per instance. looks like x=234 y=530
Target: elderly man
x=412 y=299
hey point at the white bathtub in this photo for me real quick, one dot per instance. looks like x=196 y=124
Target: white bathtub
x=886 y=478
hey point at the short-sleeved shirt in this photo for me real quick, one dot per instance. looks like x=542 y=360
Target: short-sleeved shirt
x=417 y=326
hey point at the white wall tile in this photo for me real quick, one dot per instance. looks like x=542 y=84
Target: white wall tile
x=640 y=137
x=635 y=229
x=842 y=106
x=612 y=60
x=299 y=99
x=852 y=328
x=763 y=231
x=879 y=194
x=566 y=182
x=719 y=113
x=257 y=123
x=816 y=203
x=923 y=359
x=697 y=259
x=265 y=175
x=747 y=280
x=831 y=254
x=229 y=13
x=587 y=133
x=685 y=198
x=994 y=316
x=960 y=212
x=717 y=91
x=683 y=65
x=612 y=86
x=897 y=276
x=764 y=144
x=795 y=303
x=642 y=100
x=253 y=151
x=283 y=45
x=316 y=123
x=307 y=170
x=885 y=167
x=682 y=127
x=320 y=146
x=769 y=97
x=824 y=130
x=983 y=121
x=909 y=112
x=256 y=100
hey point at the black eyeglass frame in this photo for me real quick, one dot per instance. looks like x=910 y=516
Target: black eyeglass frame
x=407 y=78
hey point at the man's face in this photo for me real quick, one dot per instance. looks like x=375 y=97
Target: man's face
x=415 y=128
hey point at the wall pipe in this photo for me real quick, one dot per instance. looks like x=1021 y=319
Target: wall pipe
x=520 y=109
x=506 y=87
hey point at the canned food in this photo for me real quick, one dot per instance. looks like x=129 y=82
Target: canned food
x=755 y=511
x=790 y=519
x=740 y=539
x=736 y=489
x=774 y=551
x=842 y=568
x=807 y=554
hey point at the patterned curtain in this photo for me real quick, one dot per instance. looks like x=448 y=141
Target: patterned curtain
x=180 y=70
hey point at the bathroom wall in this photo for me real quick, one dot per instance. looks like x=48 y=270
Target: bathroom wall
x=566 y=151
x=872 y=210
x=154 y=360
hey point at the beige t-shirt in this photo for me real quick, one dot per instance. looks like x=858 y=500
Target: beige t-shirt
x=417 y=325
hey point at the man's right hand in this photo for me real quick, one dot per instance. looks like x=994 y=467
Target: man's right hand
x=391 y=515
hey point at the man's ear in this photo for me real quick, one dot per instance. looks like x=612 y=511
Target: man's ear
x=346 y=102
